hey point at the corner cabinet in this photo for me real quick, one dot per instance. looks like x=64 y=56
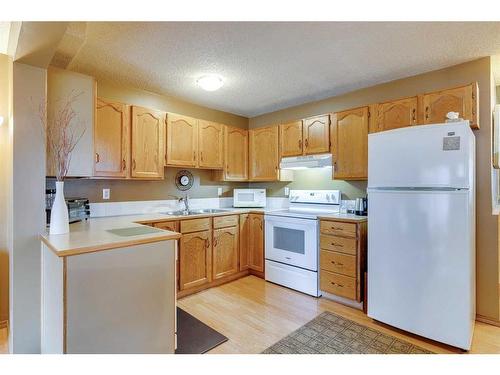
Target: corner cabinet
x=148 y=143
x=182 y=141
x=463 y=100
x=349 y=139
x=264 y=154
x=111 y=139
x=396 y=114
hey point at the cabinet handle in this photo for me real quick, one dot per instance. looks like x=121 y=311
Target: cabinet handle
x=194 y=155
x=300 y=144
x=201 y=155
x=124 y=164
x=338 y=264
x=207 y=243
x=336 y=228
x=133 y=164
x=307 y=143
x=215 y=241
x=427 y=112
x=337 y=244
x=97 y=158
x=339 y=285
x=413 y=117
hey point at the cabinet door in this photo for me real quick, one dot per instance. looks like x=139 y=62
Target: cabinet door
x=244 y=241
x=256 y=242
x=225 y=252
x=350 y=144
x=182 y=141
x=264 y=157
x=210 y=144
x=235 y=154
x=195 y=259
x=317 y=135
x=111 y=139
x=397 y=114
x=291 y=139
x=148 y=143
x=461 y=99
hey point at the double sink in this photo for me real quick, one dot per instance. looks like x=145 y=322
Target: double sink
x=194 y=212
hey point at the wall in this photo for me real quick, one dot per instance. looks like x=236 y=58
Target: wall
x=487 y=225
x=28 y=208
x=5 y=171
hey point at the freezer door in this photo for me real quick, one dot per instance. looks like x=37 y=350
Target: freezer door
x=421 y=263
x=422 y=156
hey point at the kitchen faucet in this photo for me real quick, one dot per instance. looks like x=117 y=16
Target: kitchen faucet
x=185 y=199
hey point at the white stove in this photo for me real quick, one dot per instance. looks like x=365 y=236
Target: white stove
x=292 y=239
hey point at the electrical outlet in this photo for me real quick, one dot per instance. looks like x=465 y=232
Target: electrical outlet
x=219 y=191
x=287 y=191
x=106 y=193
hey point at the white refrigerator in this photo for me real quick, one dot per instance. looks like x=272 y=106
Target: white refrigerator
x=421 y=232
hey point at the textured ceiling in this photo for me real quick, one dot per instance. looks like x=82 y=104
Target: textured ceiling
x=270 y=66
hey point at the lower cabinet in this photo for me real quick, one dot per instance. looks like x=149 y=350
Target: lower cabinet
x=256 y=242
x=195 y=259
x=244 y=263
x=225 y=252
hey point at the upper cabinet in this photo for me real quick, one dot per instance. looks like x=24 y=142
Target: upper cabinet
x=463 y=100
x=396 y=114
x=291 y=139
x=316 y=135
x=349 y=133
x=61 y=86
x=305 y=137
x=111 y=139
x=210 y=144
x=235 y=155
x=264 y=154
x=148 y=143
x=182 y=141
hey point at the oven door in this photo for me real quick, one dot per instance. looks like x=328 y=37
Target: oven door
x=292 y=241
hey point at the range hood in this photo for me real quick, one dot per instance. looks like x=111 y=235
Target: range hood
x=309 y=161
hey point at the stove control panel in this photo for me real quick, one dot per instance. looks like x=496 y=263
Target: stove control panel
x=315 y=196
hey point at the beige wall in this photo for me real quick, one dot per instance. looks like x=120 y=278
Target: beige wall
x=5 y=170
x=487 y=225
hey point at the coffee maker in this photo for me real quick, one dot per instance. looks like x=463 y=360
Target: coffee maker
x=361 y=206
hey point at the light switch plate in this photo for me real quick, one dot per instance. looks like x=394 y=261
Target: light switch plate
x=219 y=191
x=106 y=193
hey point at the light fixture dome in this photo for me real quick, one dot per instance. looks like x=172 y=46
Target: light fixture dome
x=210 y=82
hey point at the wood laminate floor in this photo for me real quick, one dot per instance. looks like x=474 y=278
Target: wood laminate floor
x=254 y=314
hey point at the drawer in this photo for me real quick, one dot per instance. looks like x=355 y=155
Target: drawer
x=339 y=285
x=338 y=228
x=168 y=225
x=339 y=244
x=195 y=225
x=338 y=263
x=226 y=221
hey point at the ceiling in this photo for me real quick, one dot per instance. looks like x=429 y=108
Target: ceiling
x=269 y=66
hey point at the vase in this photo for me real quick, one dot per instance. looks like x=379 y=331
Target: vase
x=59 y=220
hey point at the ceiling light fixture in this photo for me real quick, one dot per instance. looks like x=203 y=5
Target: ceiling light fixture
x=210 y=82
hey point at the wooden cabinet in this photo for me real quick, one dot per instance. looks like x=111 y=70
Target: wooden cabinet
x=195 y=259
x=235 y=155
x=244 y=263
x=168 y=225
x=316 y=135
x=291 y=139
x=210 y=145
x=182 y=141
x=148 y=143
x=256 y=242
x=349 y=134
x=264 y=155
x=111 y=139
x=396 y=114
x=225 y=252
x=343 y=258
x=463 y=100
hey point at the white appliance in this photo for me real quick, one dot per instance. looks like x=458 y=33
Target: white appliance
x=291 y=239
x=249 y=198
x=307 y=161
x=421 y=233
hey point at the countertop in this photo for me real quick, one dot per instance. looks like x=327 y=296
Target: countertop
x=345 y=217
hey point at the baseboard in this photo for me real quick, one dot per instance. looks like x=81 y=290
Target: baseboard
x=486 y=320
x=257 y=273
x=4 y=324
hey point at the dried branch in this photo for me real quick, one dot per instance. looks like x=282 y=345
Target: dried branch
x=61 y=132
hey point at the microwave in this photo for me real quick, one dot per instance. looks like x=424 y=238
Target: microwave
x=249 y=198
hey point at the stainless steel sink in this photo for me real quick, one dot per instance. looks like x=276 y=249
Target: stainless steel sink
x=194 y=212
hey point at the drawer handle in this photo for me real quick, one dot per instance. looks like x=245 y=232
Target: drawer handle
x=335 y=228
x=337 y=244
x=335 y=284
x=338 y=264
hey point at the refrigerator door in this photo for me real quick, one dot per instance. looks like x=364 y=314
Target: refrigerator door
x=421 y=263
x=439 y=155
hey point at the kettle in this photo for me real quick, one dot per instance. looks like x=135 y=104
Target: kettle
x=361 y=206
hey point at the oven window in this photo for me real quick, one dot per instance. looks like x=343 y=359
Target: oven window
x=287 y=239
x=245 y=197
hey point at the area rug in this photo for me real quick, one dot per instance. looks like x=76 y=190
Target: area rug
x=194 y=336
x=333 y=334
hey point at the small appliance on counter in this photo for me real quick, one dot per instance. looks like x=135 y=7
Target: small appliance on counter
x=361 y=207
x=249 y=198
x=78 y=208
